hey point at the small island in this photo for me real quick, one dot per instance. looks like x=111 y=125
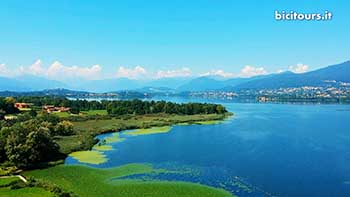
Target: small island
x=40 y=132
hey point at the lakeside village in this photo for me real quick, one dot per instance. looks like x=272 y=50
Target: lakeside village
x=303 y=94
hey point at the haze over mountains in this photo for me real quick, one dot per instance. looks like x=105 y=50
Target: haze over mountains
x=338 y=72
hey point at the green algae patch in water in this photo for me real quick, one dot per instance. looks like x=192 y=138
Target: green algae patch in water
x=183 y=124
x=115 y=137
x=150 y=131
x=90 y=157
x=103 y=147
x=209 y=122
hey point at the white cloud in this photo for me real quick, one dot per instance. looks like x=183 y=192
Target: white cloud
x=57 y=71
x=280 y=71
x=299 y=68
x=221 y=73
x=183 y=72
x=250 y=71
x=132 y=73
x=4 y=71
x=35 y=69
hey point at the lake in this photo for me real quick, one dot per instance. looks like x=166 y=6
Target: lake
x=264 y=150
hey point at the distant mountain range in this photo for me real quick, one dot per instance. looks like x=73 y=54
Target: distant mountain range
x=320 y=77
x=28 y=83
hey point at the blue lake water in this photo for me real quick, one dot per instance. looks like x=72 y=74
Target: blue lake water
x=265 y=150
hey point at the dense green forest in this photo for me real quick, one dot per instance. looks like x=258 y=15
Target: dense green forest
x=30 y=140
x=121 y=107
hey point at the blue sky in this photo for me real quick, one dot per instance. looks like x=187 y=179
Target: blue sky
x=168 y=38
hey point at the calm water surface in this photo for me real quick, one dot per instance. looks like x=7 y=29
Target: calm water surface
x=265 y=150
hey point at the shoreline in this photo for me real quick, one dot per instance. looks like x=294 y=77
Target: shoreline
x=93 y=128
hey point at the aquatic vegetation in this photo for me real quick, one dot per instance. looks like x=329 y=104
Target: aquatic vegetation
x=115 y=137
x=102 y=147
x=153 y=130
x=183 y=124
x=209 y=122
x=87 y=181
x=90 y=157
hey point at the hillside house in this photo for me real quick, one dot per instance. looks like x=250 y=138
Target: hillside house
x=23 y=105
x=52 y=108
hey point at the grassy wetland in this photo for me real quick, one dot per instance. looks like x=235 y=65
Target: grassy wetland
x=143 y=123
x=86 y=181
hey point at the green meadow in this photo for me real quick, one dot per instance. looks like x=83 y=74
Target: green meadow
x=25 y=192
x=6 y=181
x=101 y=112
x=6 y=191
x=91 y=182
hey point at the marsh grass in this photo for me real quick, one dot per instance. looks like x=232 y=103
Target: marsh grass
x=209 y=122
x=91 y=128
x=149 y=131
x=91 y=182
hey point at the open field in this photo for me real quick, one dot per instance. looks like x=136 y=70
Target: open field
x=90 y=182
x=24 y=109
x=5 y=189
x=101 y=112
x=62 y=114
x=25 y=192
x=6 y=181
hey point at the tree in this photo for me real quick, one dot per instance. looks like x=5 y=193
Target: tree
x=74 y=110
x=46 y=117
x=41 y=145
x=33 y=113
x=29 y=143
x=8 y=105
x=64 y=128
x=2 y=114
x=2 y=145
x=23 y=117
x=10 y=100
x=220 y=109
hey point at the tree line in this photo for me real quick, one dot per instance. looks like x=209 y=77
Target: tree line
x=122 y=107
x=150 y=107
